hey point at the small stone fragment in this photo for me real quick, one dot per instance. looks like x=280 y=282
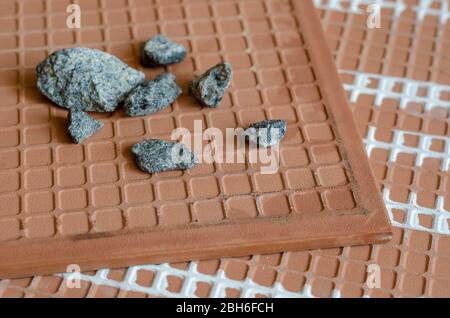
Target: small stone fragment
x=266 y=133
x=154 y=155
x=152 y=96
x=82 y=76
x=160 y=50
x=82 y=126
x=210 y=87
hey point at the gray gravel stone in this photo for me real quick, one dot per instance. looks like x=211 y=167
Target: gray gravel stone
x=160 y=50
x=266 y=133
x=82 y=126
x=210 y=87
x=154 y=155
x=86 y=79
x=152 y=96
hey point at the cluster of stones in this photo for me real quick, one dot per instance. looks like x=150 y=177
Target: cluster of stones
x=88 y=80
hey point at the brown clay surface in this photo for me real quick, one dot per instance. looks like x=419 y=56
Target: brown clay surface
x=415 y=263
x=413 y=42
x=90 y=205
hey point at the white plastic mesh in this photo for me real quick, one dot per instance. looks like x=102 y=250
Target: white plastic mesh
x=422 y=9
x=413 y=208
x=190 y=277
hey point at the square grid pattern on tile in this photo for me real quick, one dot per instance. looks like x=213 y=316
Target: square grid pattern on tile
x=95 y=187
x=54 y=189
x=414 y=263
